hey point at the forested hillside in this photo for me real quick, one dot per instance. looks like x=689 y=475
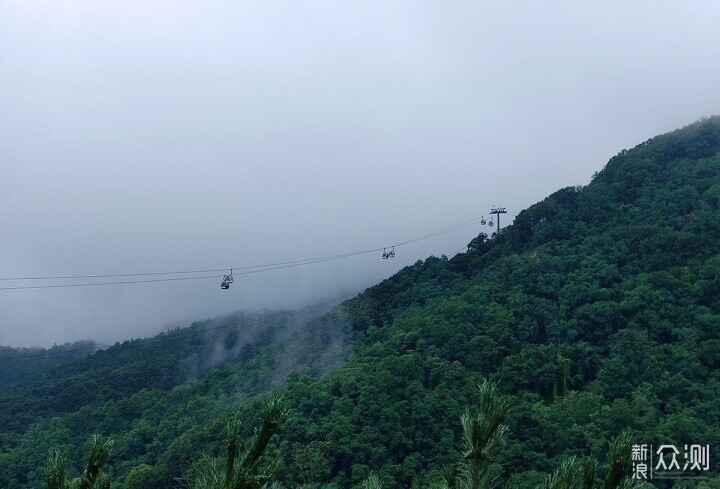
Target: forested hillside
x=146 y=393
x=597 y=312
x=19 y=364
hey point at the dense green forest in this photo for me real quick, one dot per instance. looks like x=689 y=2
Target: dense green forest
x=19 y=364
x=596 y=313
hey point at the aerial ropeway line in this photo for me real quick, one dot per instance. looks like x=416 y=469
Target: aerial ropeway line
x=162 y=276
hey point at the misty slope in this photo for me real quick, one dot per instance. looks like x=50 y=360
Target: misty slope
x=617 y=284
x=168 y=383
x=162 y=362
x=19 y=364
x=598 y=311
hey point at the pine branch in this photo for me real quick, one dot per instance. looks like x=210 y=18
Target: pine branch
x=564 y=477
x=589 y=468
x=619 y=454
x=372 y=482
x=54 y=475
x=98 y=454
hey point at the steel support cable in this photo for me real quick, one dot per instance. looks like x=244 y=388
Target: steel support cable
x=247 y=269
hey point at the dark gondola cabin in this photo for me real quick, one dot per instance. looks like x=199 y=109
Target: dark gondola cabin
x=388 y=254
x=226 y=281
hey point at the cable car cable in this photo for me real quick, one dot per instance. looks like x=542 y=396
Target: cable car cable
x=248 y=269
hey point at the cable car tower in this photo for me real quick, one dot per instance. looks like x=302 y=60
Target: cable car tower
x=497 y=211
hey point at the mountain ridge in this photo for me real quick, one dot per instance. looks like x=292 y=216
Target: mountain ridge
x=597 y=311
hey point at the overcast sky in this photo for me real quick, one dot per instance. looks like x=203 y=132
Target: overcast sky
x=145 y=135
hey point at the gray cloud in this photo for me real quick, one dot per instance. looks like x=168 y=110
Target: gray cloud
x=142 y=136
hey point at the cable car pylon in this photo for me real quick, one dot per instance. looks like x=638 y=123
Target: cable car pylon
x=497 y=211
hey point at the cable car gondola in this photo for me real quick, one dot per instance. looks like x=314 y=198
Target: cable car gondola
x=388 y=254
x=226 y=281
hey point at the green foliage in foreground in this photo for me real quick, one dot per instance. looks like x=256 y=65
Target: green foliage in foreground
x=597 y=312
x=98 y=453
x=243 y=470
x=484 y=432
